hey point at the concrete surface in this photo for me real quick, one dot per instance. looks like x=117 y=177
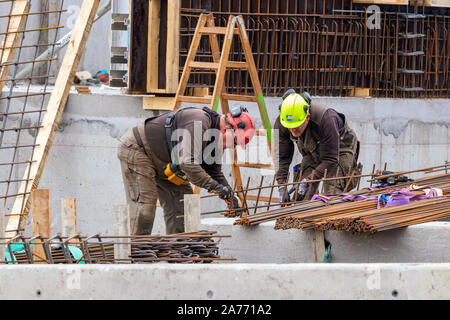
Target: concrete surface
x=428 y=242
x=82 y=163
x=227 y=281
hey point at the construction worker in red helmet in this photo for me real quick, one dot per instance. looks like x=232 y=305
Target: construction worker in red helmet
x=325 y=141
x=155 y=165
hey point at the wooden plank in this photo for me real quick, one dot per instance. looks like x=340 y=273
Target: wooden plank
x=395 y=2
x=359 y=92
x=83 y=90
x=158 y=103
x=153 y=44
x=2 y=233
x=123 y=226
x=317 y=245
x=69 y=225
x=10 y=40
x=192 y=213
x=52 y=117
x=173 y=45
x=41 y=221
x=435 y=3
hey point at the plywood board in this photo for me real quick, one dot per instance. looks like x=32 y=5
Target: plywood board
x=41 y=222
x=157 y=103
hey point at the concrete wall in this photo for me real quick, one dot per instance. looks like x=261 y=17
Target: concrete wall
x=428 y=242
x=407 y=134
x=226 y=281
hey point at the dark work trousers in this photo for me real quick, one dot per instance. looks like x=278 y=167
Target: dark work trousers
x=346 y=163
x=145 y=183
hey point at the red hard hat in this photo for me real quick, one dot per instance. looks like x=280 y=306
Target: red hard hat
x=244 y=128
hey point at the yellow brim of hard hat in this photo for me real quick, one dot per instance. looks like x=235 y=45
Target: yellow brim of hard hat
x=291 y=124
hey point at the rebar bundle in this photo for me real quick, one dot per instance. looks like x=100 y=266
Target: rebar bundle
x=368 y=216
x=335 y=203
x=194 y=247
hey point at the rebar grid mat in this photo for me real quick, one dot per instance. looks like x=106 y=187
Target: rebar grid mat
x=194 y=247
x=28 y=34
x=329 y=48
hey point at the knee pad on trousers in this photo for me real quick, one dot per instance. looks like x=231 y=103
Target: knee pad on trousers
x=144 y=219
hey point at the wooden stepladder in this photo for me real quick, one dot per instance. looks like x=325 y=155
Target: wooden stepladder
x=220 y=64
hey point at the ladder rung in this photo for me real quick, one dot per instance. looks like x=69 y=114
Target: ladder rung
x=203 y=65
x=253 y=197
x=255 y=165
x=237 y=97
x=261 y=132
x=194 y=99
x=216 y=30
x=215 y=65
x=237 y=64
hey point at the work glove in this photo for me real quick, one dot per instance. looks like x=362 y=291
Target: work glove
x=284 y=195
x=224 y=192
x=234 y=203
x=302 y=189
x=234 y=207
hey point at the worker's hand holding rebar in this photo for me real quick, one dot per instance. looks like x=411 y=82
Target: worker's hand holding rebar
x=224 y=192
x=234 y=203
x=284 y=195
x=302 y=189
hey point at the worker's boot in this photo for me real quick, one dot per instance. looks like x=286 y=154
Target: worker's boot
x=144 y=219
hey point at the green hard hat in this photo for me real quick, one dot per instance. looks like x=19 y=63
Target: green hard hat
x=293 y=111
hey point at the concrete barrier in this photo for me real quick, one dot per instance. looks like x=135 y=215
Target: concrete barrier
x=428 y=242
x=226 y=281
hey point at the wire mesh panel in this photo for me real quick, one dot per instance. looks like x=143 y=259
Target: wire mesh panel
x=27 y=30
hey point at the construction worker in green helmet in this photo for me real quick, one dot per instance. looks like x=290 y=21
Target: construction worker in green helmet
x=325 y=141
